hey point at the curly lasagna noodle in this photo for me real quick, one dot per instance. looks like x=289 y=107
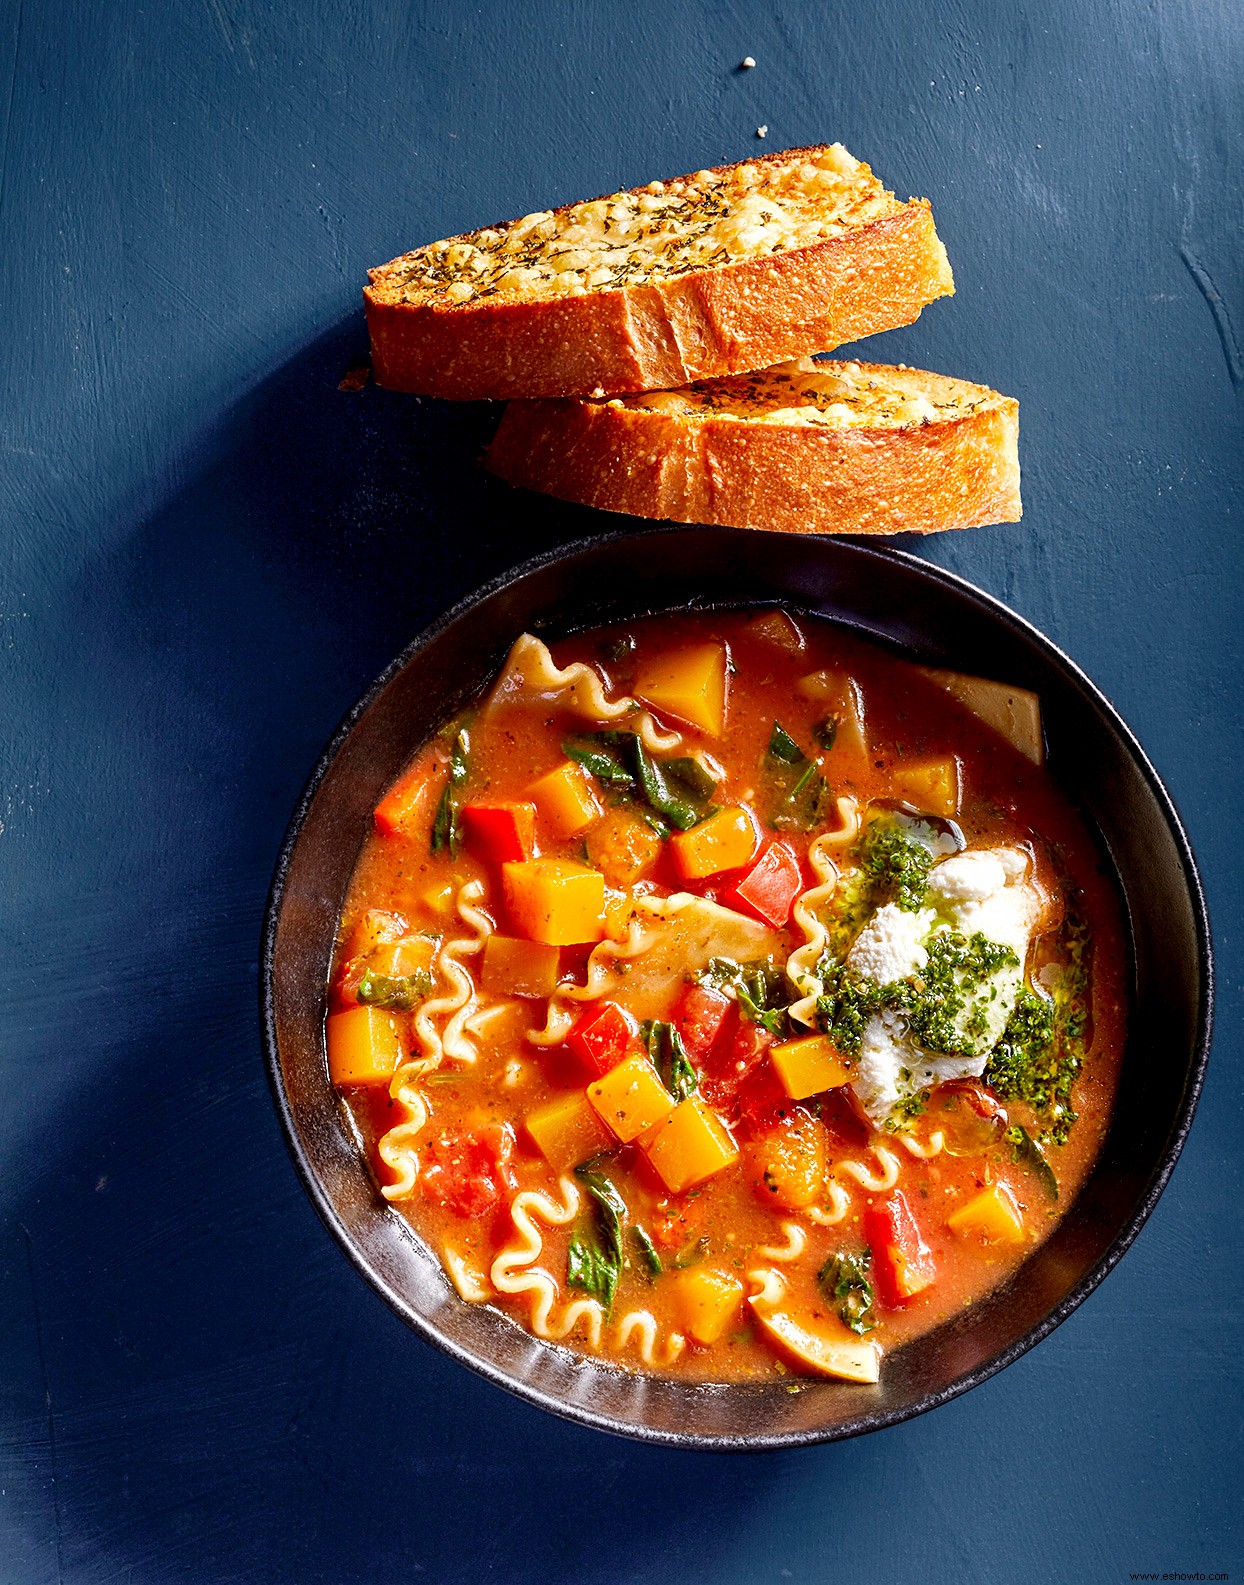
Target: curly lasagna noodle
x=724 y=997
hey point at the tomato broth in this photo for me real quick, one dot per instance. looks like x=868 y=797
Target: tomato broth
x=572 y=1023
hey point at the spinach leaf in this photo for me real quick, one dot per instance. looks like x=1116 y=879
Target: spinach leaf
x=1026 y=1149
x=783 y=748
x=758 y=988
x=662 y=791
x=590 y=1269
x=594 y=1258
x=799 y=790
x=605 y=754
x=675 y=790
x=399 y=992
x=647 y=1251
x=445 y=832
x=845 y=1277
x=695 y=780
x=826 y=732
x=668 y=1056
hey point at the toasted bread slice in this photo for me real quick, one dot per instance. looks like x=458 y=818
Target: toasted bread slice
x=718 y=273
x=808 y=447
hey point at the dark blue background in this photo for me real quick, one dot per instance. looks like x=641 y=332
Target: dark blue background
x=208 y=550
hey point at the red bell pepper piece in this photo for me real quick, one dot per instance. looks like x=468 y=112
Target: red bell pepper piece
x=698 y=1017
x=467 y=1172
x=500 y=832
x=762 y=1102
x=902 y=1261
x=770 y=886
x=601 y=1037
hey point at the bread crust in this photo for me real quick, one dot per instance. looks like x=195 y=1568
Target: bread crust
x=960 y=472
x=661 y=334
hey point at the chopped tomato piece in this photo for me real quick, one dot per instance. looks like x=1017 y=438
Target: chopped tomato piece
x=699 y=1015
x=601 y=1037
x=733 y=1061
x=467 y=1172
x=769 y=888
x=676 y=1223
x=762 y=1102
x=503 y=832
x=902 y=1261
x=847 y=1121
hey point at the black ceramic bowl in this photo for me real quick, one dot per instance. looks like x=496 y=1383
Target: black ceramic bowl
x=926 y=613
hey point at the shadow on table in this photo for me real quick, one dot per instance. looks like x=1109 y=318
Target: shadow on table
x=208 y=1390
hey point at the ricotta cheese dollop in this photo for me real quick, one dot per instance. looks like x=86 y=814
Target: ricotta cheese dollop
x=983 y=891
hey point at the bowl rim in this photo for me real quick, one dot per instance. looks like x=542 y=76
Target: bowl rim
x=868 y=1420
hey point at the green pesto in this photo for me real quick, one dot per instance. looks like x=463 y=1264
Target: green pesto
x=945 y=1006
x=1037 y=1061
x=846 y=1003
x=896 y=865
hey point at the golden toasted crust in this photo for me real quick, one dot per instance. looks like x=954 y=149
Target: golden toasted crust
x=956 y=471
x=661 y=332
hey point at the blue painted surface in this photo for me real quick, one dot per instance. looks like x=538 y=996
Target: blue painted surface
x=209 y=550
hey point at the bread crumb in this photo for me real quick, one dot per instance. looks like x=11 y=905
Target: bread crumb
x=763 y=132
x=355 y=379
x=747 y=63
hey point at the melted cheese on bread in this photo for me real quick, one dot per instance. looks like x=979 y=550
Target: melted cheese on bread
x=666 y=229
x=822 y=395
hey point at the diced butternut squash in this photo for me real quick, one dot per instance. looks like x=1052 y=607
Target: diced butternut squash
x=516 y=967
x=705 y=1302
x=567 y=1131
x=828 y=1356
x=992 y=1214
x=363 y=1046
x=808 y=1066
x=437 y=897
x=725 y=841
x=398 y=960
x=790 y=1162
x=555 y=900
x=688 y=683
x=932 y=786
x=619 y=909
x=565 y=800
x=690 y=1146
x=397 y=813
x=631 y=1097
x=623 y=846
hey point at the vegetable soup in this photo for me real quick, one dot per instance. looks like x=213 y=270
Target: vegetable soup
x=724 y=996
